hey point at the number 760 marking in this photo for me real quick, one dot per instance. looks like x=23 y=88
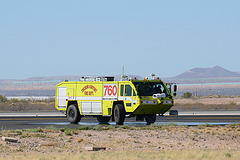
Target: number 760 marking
x=110 y=90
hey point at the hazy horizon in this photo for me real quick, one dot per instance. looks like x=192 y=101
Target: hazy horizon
x=149 y=76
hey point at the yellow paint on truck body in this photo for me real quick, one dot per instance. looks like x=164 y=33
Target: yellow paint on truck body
x=99 y=97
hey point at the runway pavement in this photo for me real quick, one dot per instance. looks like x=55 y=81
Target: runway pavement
x=25 y=120
x=57 y=113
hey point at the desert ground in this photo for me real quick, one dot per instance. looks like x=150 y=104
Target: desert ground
x=124 y=142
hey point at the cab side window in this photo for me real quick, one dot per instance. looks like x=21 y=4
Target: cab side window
x=134 y=93
x=128 y=90
x=122 y=89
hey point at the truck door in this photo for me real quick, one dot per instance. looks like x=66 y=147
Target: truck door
x=128 y=95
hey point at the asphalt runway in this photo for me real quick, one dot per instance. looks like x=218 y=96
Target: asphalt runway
x=27 y=121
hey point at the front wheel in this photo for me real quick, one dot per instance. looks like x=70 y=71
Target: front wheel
x=73 y=114
x=119 y=114
x=150 y=119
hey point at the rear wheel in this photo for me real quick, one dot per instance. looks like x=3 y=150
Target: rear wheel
x=102 y=119
x=173 y=112
x=119 y=114
x=73 y=114
x=150 y=119
x=139 y=117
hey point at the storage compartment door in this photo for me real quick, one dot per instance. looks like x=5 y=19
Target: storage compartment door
x=86 y=107
x=96 y=108
x=91 y=108
x=62 y=97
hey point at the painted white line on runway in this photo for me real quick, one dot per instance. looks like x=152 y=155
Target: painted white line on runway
x=207 y=113
x=31 y=114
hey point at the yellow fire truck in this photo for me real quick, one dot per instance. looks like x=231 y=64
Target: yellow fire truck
x=108 y=99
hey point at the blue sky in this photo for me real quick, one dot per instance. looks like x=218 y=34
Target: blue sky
x=56 y=37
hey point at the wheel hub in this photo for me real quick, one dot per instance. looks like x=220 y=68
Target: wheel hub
x=71 y=113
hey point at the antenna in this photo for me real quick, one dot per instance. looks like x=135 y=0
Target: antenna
x=122 y=70
x=124 y=77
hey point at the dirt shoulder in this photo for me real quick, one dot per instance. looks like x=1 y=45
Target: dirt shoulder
x=209 y=101
x=207 y=104
x=182 y=104
x=133 y=139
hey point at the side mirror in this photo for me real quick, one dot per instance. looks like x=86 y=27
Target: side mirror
x=175 y=88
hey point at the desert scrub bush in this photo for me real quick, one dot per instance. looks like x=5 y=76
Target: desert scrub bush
x=124 y=127
x=25 y=135
x=84 y=128
x=148 y=128
x=34 y=130
x=39 y=135
x=208 y=125
x=228 y=155
x=232 y=103
x=3 y=99
x=51 y=127
x=110 y=127
x=98 y=128
x=68 y=133
x=187 y=95
x=17 y=132
x=89 y=134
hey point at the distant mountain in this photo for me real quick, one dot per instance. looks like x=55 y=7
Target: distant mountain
x=214 y=72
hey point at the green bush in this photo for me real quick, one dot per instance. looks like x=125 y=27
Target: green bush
x=110 y=127
x=187 y=95
x=124 y=127
x=68 y=133
x=34 y=130
x=3 y=99
x=98 y=128
x=84 y=128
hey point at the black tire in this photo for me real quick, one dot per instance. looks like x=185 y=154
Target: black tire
x=150 y=119
x=73 y=114
x=173 y=112
x=119 y=114
x=102 y=119
x=139 y=117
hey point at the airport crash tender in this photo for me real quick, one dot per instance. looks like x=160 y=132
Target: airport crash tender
x=108 y=99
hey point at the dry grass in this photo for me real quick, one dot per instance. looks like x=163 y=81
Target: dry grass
x=126 y=155
x=150 y=142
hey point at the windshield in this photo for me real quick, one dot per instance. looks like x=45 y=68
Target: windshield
x=150 y=88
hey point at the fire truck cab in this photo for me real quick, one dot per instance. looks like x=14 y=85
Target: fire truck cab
x=108 y=99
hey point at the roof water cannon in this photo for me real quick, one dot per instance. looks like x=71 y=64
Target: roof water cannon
x=153 y=75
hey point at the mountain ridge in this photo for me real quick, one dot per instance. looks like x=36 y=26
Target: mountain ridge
x=194 y=73
x=214 y=72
